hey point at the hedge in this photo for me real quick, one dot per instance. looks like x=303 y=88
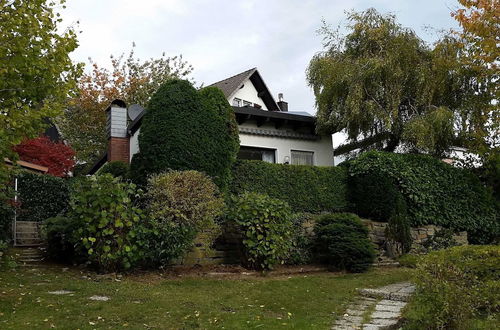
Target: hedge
x=435 y=192
x=305 y=188
x=41 y=196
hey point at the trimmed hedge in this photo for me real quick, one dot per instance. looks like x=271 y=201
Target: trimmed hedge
x=435 y=192
x=186 y=129
x=305 y=188
x=116 y=168
x=41 y=196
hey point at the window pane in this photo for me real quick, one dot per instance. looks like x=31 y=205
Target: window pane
x=253 y=153
x=246 y=103
x=302 y=157
x=236 y=102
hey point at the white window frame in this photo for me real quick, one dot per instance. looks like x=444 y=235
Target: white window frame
x=237 y=102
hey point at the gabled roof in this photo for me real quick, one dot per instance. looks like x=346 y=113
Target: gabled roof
x=231 y=85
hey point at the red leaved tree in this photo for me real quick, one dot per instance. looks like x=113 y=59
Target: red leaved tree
x=58 y=157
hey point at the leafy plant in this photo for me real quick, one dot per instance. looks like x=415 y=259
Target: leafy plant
x=116 y=169
x=61 y=235
x=301 y=241
x=442 y=239
x=341 y=240
x=41 y=196
x=398 y=231
x=265 y=225
x=435 y=192
x=454 y=286
x=305 y=188
x=180 y=205
x=110 y=221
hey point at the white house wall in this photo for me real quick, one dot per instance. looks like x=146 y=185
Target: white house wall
x=248 y=93
x=134 y=143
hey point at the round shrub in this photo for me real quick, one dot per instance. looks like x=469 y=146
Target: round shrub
x=265 y=225
x=110 y=221
x=455 y=286
x=341 y=240
x=116 y=169
x=41 y=196
x=180 y=205
x=61 y=235
x=184 y=129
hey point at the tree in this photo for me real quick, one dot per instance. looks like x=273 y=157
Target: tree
x=130 y=79
x=36 y=72
x=185 y=129
x=386 y=88
x=57 y=156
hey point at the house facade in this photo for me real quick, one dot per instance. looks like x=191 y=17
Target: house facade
x=267 y=130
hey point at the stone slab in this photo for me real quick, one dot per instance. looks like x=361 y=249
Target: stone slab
x=384 y=315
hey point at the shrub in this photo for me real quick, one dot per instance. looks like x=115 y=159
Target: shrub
x=184 y=129
x=61 y=235
x=265 y=225
x=180 y=205
x=342 y=241
x=116 y=169
x=398 y=231
x=6 y=218
x=455 y=286
x=110 y=221
x=442 y=239
x=305 y=188
x=435 y=192
x=301 y=240
x=41 y=196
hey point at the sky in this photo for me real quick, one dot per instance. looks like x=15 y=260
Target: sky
x=221 y=38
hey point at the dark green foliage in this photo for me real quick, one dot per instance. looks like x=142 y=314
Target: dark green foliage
x=305 y=188
x=373 y=195
x=455 y=286
x=184 y=129
x=443 y=239
x=398 y=229
x=435 y=192
x=265 y=227
x=111 y=222
x=6 y=218
x=341 y=240
x=41 y=196
x=61 y=235
x=116 y=169
x=302 y=240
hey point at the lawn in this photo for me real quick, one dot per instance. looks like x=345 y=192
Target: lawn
x=150 y=300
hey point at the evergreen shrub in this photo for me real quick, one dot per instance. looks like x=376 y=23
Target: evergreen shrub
x=341 y=241
x=265 y=226
x=305 y=188
x=116 y=169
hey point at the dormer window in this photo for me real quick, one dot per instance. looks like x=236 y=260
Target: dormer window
x=247 y=104
x=236 y=102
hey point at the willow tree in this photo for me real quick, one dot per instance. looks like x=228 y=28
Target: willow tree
x=385 y=87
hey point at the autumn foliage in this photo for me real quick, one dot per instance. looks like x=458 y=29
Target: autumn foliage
x=57 y=156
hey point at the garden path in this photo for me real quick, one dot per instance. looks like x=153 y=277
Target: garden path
x=377 y=309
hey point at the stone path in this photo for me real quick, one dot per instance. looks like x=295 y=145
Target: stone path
x=376 y=308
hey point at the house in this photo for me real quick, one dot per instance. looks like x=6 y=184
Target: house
x=268 y=131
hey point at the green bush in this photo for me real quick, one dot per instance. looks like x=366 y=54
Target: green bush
x=442 y=239
x=184 y=129
x=61 y=235
x=180 y=205
x=454 y=287
x=341 y=240
x=41 y=196
x=435 y=192
x=6 y=218
x=116 y=169
x=301 y=240
x=305 y=188
x=110 y=221
x=398 y=231
x=410 y=260
x=265 y=226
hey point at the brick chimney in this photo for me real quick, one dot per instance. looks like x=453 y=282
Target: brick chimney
x=116 y=128
x=282 y=104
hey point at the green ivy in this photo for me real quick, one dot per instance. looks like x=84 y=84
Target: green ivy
x=41 y=196
x=434 y=192
x=265 y=226
x=305 y=188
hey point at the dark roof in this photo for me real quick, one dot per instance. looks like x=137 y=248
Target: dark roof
x=230 y=85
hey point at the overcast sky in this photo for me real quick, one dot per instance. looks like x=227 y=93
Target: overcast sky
x=221 y=38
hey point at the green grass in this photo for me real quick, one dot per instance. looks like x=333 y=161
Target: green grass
x=137 y=302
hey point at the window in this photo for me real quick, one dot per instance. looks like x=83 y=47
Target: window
x=247 y=104
x=236 y=102
x=253 y=153
x=302 y=157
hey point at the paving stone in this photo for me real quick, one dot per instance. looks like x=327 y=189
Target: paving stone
x=99 y=298
x=385 y=315
x=355 y=312
x=371 y=327
x=384 y=322
x=388 y=308
x=60 y=292
x=386 y=302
